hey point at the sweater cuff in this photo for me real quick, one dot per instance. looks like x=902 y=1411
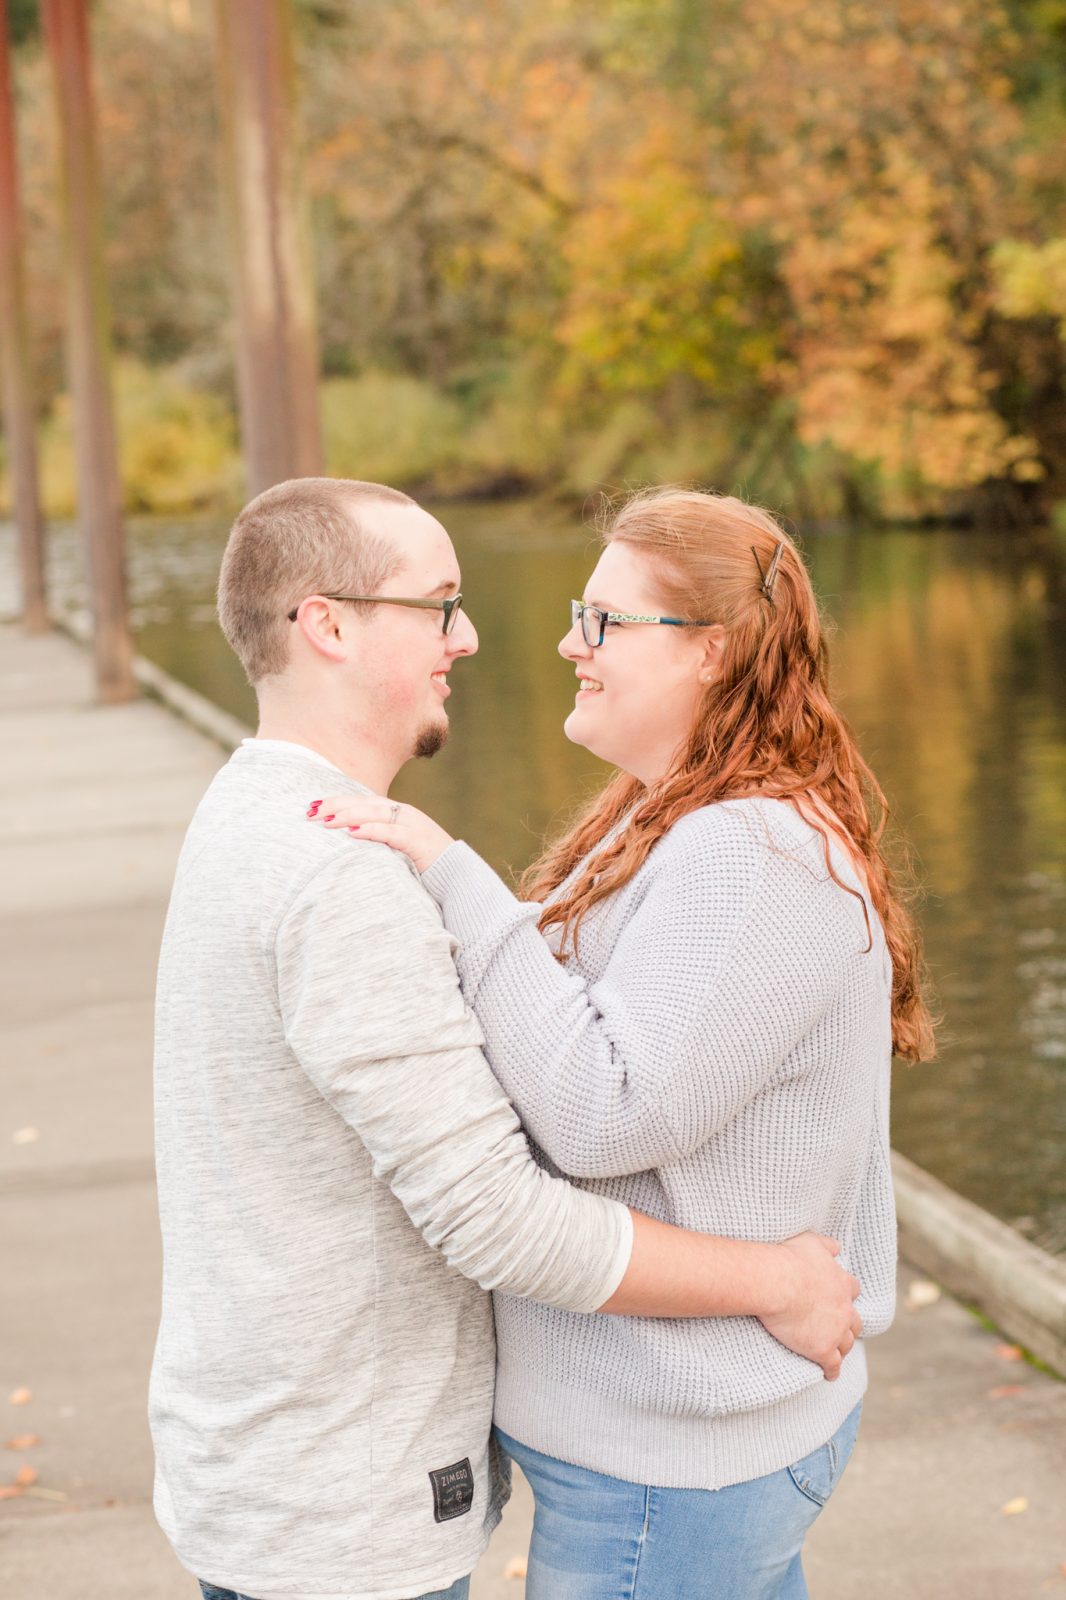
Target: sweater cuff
x=619 y=1264
x=472 y=898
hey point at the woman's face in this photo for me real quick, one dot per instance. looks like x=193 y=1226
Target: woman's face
x=639 y=690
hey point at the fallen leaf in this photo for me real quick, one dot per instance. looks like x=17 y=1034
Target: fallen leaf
x=1003 y=1391
x=25 y=1136
x=20 y=1397
x=922 y=1293
x=1014 y=1508
x=516 y=1567
x=22 y=1441
x=25 y=1476
x=1009 y=1352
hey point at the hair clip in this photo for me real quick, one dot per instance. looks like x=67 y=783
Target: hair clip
x=769 y=577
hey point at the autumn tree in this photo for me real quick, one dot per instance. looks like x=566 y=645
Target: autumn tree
x=765 y=247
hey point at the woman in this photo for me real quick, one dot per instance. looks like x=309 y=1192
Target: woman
x=694 y=1010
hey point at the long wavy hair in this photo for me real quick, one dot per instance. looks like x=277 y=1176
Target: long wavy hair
x=765 y=726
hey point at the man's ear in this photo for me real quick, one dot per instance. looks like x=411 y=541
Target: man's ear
x=710 y=660
x=319 y=626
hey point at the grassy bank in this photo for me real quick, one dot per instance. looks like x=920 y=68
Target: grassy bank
x=179 y=450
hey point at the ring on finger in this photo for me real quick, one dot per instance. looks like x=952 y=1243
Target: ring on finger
x=394 y=812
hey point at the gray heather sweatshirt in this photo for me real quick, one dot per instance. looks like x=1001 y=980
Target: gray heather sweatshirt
x=717 y=1056
x=338 y=1172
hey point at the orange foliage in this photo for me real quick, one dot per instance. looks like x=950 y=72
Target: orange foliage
x=713 y=216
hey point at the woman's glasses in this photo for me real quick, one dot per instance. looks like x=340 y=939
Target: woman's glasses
x=594 y=621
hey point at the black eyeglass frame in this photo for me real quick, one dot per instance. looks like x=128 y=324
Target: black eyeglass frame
x=449 y=606
x=579 y=611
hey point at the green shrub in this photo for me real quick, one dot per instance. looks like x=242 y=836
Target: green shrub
x=177 y=446
x=389 y=428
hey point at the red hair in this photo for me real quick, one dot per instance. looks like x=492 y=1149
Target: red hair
x=766 y=726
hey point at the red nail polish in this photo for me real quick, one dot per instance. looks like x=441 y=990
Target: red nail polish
x=332 y=817
x=354 y=828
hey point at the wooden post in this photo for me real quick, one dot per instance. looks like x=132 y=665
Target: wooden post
x=277 y=347
x=66 y=29
x=14 y=362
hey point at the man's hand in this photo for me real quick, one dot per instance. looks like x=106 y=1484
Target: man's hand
x=818 y=1319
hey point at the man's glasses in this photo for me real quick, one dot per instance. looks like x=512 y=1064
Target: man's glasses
x=450 y=607
x=594 y=621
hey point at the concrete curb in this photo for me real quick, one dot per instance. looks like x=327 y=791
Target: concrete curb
x=193 y=708
x=983 y=1261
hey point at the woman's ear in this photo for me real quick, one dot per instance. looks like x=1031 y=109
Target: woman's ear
x=711 y=653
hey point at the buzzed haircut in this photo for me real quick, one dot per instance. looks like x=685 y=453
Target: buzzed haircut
x=302 y=537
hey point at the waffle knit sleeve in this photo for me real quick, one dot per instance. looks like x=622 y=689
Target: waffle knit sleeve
x=720 y=969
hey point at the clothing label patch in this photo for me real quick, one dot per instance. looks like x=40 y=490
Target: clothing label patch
x=453 y=1490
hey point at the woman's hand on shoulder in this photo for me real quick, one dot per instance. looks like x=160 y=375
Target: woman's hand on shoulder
x=402 y=828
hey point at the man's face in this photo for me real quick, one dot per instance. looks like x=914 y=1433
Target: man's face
x=403 y=657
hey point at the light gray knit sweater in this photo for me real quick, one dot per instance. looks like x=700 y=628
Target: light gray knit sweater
x=338 y=1172
x=718 y=1056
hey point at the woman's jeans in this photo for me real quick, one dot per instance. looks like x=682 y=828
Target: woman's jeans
x=458 y=1591
x=600 y=1538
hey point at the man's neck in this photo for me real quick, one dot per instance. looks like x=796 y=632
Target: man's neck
x=355 y=757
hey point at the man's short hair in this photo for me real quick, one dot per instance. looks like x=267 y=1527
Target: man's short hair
x=302 y=537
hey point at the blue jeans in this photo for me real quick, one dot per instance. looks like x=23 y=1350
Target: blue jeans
x=600 y=1538
x=458 y=1591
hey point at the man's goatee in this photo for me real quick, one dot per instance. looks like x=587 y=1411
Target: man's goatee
x=433 y=737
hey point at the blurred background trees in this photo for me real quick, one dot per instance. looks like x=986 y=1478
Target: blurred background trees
x=816 y=253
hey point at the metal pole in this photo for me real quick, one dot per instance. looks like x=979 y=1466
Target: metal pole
x=14 y=362
x=66 y=30
x=277 y=347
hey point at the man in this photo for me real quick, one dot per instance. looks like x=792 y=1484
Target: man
x=340 y=1176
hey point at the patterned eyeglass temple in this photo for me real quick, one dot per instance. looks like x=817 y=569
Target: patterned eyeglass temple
x=579 y=612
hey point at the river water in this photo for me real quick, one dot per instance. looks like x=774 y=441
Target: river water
x=949 y=657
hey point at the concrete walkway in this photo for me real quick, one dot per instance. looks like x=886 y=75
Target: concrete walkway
x=957 y=1490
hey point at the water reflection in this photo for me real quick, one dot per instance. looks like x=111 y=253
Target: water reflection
x=950 y=660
